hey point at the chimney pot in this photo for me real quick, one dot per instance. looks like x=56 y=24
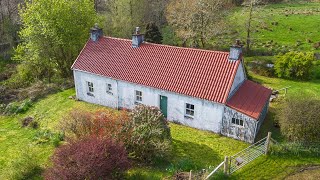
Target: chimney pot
x=235 y=51
x=137 y=38
x=95 y=32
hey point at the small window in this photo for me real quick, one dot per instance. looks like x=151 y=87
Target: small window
x=90 y=87
x=109 y=88
x=189 y=110
x=237 y=121
x=138 y=96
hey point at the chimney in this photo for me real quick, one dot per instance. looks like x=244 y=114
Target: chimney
x=235 y=51
x=95 y=33
x=137 y=38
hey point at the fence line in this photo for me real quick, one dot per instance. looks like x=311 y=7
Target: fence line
x=242 y=158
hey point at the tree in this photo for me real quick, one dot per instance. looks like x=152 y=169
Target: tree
x=89 y=158
x=122 y=16
x=252 y=10
x=295 y=65
x=150 y=137
x=197 y=19
x=153 y=34
x=300 y=120
x=53 y=33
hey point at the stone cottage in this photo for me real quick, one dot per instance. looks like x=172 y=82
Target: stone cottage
x=199 y=88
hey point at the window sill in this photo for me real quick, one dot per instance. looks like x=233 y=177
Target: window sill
x=90 y=94
x=188 y=117
x=138 y=103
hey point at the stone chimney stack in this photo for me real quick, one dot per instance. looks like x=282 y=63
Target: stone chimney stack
x=95 y=33
x=235 y=51
x=137 y=38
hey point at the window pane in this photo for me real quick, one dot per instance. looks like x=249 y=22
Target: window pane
x=237 y=121
x=192 y=113
x=241 y=122
x=192 y=106
x=187 y=105
x=233 y=120
x=188 y=112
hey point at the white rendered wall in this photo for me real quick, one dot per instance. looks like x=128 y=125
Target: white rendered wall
x=238 y=79
x=208 y=115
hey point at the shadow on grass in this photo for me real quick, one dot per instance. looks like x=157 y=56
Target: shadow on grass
x=268 y=125
x=201 y=155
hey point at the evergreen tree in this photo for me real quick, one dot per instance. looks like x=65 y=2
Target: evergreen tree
x=153 y=34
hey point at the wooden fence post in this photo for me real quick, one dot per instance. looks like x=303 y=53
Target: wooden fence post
x=226 y=165
x=268 y=142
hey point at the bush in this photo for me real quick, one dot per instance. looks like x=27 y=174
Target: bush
x=81 y=123
x=89 y=158
x=150 y=137
x=300 y=120
x=24 y=167
x=18 y=107
x=296 y=65
x=46 y=136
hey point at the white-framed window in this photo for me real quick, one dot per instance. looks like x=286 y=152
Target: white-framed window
x=90 y=87
x=138 y=95
x=236 y=121
x=189 y=110
x=109 y=88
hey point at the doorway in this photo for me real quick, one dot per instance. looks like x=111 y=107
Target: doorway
x=164 y=105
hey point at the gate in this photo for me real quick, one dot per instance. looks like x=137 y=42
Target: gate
x=237 y=161
x=247 y=155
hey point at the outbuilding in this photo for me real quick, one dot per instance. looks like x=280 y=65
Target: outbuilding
x=199 y=88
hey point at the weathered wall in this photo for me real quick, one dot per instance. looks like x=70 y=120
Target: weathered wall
x=100 y=96
x=262 y=116
x=245 y=133
x=208 y=115
x=238 y=80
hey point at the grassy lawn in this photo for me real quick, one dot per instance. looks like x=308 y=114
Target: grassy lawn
x=194 y=148
x=198 y=149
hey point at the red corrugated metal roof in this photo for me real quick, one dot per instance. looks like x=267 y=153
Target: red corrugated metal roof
x=250 y=99
x=194 y=72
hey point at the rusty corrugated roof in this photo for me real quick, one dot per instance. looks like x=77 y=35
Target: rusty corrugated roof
x=199 y=73
x=250 y=99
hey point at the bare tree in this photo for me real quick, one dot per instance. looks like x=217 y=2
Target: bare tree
x=197 y=19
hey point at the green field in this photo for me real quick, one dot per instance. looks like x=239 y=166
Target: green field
x=280 y=27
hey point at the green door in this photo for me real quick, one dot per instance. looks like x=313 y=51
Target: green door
x=164 y=105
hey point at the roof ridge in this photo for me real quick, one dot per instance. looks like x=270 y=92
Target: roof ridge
x=165 y=45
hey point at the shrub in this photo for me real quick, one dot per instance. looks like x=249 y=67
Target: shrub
x=296 y=65
x=89 y=158
x=18 y=107
x=46 y=136
x=80 y=123
x=300 y=120
x=150 y=137
x=77 y=123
